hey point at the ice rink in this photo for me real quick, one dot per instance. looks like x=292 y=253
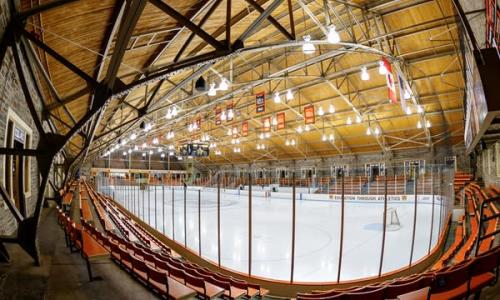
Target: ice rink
x=318 y=230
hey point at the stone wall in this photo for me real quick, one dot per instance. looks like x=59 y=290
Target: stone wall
x=12 y=97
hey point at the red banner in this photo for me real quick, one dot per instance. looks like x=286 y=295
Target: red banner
x=260 y=102
x=266 y=124
x=244 y=128
x=280 y=118
x=309 y=117
x=218 y=112
x=391 y=86
x=198 y=123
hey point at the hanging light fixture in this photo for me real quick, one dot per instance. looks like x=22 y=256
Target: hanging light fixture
x=162 y=155
x=299 y=129
x=124 y=153
x=175 y=111
x=266 y=123
x=307 y=127
x=293 y=142
x=321 y=111
x=230 y=113
x=308 y=47
x=420 y=109
x=143 y=154
x=358 y=119
x=136 y=148
x=331 y=137
x=331 y=109
x=323 y=137
x=224 y=84
x=419 y=124
x=289 y=95
x=190 y=128
x=349 y=121
x=428 y=124
x=274 y=121
x=223 y=116
x=150 y=152
x=382 y=70
x=268 y=135
x=229 y=132
x=333 y=36
x=277 y=98
x=155 y=141
x=123 y=142
x=144 y=145
x=160 y=150
x=212 y=91
x=364 y=74
x=261 y=136
x=258 y=146
x=133 y=136
x=408 y=110
x=233 y=141
x=169 y=114
x=235 y=130
x=287 y=142
x=368 y=131
x=376 y=131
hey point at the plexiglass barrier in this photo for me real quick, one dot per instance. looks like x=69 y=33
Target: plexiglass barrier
x=295 y=225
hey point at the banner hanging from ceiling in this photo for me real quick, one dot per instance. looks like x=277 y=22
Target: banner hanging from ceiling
x=266 y=124
x=390 y=81
x=309 y=117
x=218 y=112
x=260 y=102
x=244 y=128
x=402 y=92
x=280 y=118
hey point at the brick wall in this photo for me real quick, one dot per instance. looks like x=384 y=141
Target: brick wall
x=11 y=96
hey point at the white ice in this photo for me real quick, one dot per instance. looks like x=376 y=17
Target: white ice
x=318 y=225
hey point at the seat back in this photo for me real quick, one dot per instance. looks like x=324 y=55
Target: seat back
x=160 y=263
x=176 y=272
x=486 y=262
x=195 y=281
x=138 y=264
x=375 y=294
x=124 y=255
x=395 y=289
x=451 y=279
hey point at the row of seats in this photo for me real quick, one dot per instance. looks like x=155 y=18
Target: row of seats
x=148 y=265
x=457 y=273
x=453 y=282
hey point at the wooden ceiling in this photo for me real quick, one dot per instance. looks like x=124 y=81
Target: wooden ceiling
x=418 y=37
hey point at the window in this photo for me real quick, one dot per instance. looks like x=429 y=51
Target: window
x=17 y=169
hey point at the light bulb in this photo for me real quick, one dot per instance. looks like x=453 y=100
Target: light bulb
x=223 y=116
x=268 y=135
x=289 y=95
x=144 y=154
x=124 y=153
x=235 y=130
x=331 y=137
x=136 y=148
x=287 y=142
x=232 y=141
x=266 y=123
x=224 y=85
x=274 y=121
x=212 y=91
x=307 y=128
x=160 y=150
x=368 y=131
x=144 y=145
x=419 y=124
x=174 y=111
x=333 y=36
x=155 y=141
x=364 y=74
x=237 y=141
x=323 y=138
x=150 y=152
x=293 y=142
x=133 y=136
x=190 y=127
x=382 y=70
x=261 y=136
x=420 y=109
x=162 y=155
x=376 y=131
x=358 y=119
x=308 y=47
x=331 y=109
x=230 y=114
x=321 y=111
x=408 y=110
x=258 y=146
x=428 y=124
x=277 y=98
x=169 y=114
x=299 y=129
x=123 y=142
x=407 y=94
x=349 y=121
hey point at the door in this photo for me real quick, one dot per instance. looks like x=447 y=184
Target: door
x=17 y=179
